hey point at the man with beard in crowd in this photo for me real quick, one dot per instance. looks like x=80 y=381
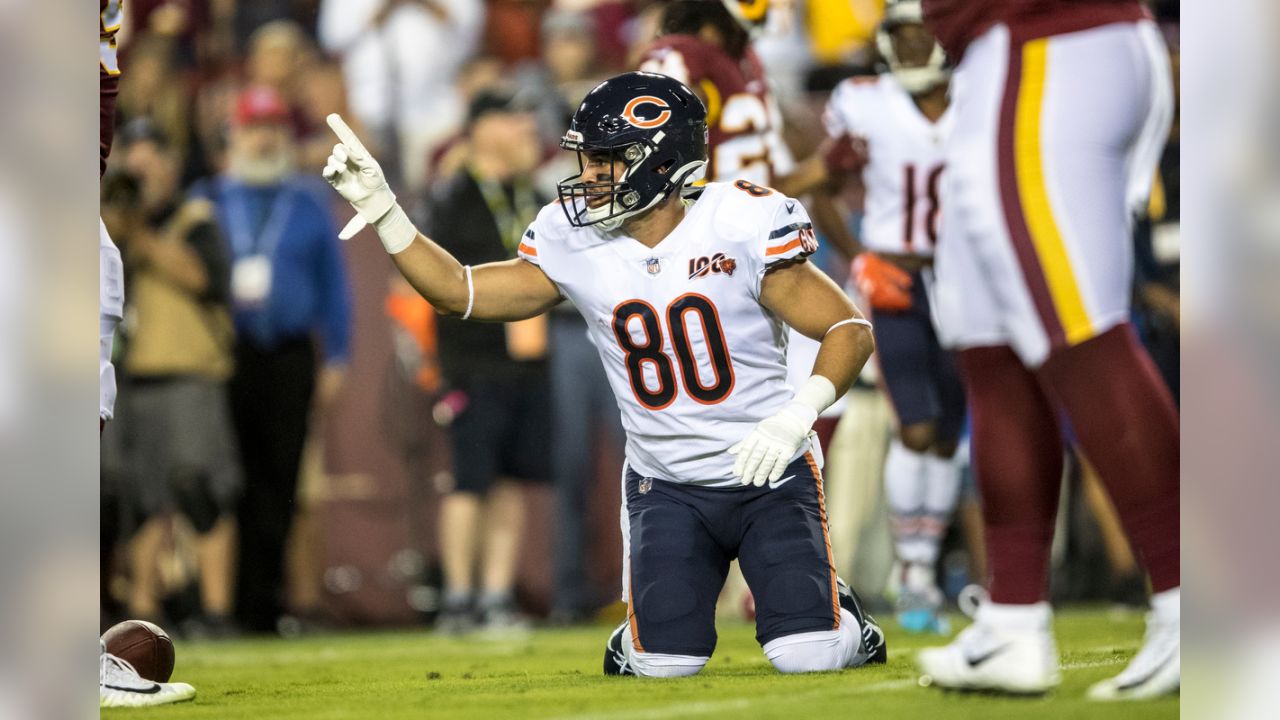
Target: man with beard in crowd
x=289 y=290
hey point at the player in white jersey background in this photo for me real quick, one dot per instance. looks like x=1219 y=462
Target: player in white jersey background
x=902 y=118
x=689 y=293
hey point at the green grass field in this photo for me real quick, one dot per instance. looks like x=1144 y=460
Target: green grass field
x=556 y=673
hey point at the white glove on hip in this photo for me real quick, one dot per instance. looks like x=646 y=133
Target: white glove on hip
x=765 y=453
x=358 y=178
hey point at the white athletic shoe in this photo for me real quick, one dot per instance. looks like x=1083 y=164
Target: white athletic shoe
x=1155 y=671
x=990 y=656
x=119 y=685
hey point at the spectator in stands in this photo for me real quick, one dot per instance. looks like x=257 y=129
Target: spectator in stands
x=495 y=375
x=585 y=423
x=400 y=58
x=320 y=91
x=289 y=289
x=615 y=24
x=173 y=423
x=278 y=54
x=562 y=76
x=156 y=91
x=183 y=24
x=246 y=18
x=480 y=73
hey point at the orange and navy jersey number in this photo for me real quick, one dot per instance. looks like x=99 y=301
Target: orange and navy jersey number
x=651 y=351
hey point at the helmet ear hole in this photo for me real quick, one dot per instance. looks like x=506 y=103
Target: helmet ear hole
x=665 y=167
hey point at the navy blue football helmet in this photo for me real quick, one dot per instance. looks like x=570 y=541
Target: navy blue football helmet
x=654 y=124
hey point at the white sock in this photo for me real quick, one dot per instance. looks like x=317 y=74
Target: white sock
x=941 y=485
x=919 y=577
x=648 y=664
x=1167 y=605
x=819 y=651
x=1035 y=617
x=905 y=495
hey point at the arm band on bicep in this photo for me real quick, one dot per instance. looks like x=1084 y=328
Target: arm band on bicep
x=850 y=321
x=471 y=292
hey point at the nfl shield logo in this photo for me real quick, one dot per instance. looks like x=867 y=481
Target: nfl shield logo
x=646 y=484
x=653 y=266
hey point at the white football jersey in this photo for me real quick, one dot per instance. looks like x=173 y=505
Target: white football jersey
x=110 y=312
x=694 y=359
x=903 y=176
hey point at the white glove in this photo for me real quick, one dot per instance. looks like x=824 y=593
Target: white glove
x=767 y=450
x=765 y=453
x=358 y=178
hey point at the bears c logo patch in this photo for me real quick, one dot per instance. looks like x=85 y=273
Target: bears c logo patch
x=631 y=113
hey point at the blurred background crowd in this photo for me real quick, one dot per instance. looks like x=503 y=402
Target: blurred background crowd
x=356 y=459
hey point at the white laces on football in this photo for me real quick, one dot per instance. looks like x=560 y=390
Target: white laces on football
x=118 y=672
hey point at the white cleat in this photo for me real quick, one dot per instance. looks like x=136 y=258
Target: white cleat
x=991 y=656
x=119 y=685
x=1154 y=672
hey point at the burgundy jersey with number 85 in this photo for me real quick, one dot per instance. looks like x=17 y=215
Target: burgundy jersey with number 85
x=744 y=123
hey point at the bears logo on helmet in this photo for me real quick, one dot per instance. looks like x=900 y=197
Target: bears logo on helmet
x=630 y=115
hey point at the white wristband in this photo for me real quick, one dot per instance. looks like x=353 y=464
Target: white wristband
x=396 y=230
x=471 y=292
x=850 y=321
x=817 y=394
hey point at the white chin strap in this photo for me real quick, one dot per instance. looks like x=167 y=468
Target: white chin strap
x=921 y=79
x=614 y=223
x=595 y=216
x=914 y=80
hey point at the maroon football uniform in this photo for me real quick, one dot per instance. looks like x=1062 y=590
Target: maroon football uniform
x=956 y=23
x=110 y=16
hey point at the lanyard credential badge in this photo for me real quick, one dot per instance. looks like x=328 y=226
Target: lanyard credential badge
x=251 y=282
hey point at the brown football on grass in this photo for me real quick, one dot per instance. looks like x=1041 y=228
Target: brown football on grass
x=145 y=646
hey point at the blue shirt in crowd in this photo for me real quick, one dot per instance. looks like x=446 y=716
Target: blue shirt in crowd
x=290 y=225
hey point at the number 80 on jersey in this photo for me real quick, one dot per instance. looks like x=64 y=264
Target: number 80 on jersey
x=651 y=352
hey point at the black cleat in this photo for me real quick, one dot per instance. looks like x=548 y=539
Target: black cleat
x=615 y=660
x=874 y=646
